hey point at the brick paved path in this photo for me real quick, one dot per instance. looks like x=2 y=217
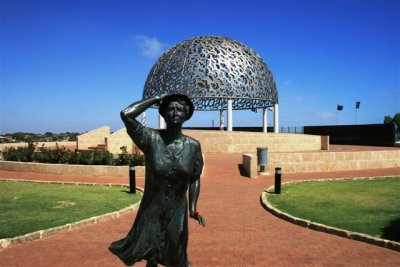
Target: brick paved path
x=239 y=231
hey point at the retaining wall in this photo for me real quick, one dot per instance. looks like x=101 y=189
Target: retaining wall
x=333 y=161
x=214 y=141
x=65 y=169
x=247 y=142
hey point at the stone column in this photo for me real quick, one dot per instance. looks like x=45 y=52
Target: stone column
x=229 y=116
x=265 y=120
x=221 y=120
x=276 y=118
x=161 y=122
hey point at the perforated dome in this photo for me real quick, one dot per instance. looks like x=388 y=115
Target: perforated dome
x=210 y=69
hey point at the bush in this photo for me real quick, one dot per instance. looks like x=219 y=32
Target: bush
x=47 y=155
x=102 y=158
x=24 y=154
x=125 y=158
x=137 y=160
x=64 y=156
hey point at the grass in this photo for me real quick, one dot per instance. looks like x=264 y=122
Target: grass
x=366 y=206
x=27 y=207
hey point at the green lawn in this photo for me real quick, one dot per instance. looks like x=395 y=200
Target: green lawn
x=366 y=206
x=27 y=207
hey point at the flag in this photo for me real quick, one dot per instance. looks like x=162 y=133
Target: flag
x=339 y=107
x=358 y=104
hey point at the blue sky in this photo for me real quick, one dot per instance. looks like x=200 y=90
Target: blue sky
x=73 y=65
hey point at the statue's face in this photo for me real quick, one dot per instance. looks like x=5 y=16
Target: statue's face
x=175 y=113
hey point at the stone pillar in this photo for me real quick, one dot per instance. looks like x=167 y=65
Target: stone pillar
x=229 y=116
x=221 y=120
x=143 y=117
x=276 y=118
x=161 y=122
x=265 y=120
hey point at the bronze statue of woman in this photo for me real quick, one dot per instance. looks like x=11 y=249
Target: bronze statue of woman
x=173 y=165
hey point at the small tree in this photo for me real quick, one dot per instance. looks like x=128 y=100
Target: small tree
x=387 y=120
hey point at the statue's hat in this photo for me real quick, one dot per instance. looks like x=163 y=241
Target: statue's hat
x=169 y=98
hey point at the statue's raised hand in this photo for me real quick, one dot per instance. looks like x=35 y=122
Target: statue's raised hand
x=161 y=97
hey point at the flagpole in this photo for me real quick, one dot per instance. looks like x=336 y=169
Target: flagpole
x=338 y=108
x=357 y=107
x=337 y=117
x=356 y=116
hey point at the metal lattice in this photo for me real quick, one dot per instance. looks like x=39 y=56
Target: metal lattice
x=210 y=69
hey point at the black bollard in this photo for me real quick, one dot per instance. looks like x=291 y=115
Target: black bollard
x=278 y=173
x=132 y=179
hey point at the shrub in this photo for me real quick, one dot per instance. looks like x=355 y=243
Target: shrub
x=102 y=158
x=24 y=154
x=83 y=158
x=47 y=155
x=64 y=156
x=137 y=160
x=125 y=158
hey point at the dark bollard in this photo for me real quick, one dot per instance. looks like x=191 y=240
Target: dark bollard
x=132 y=179
x=278 y=173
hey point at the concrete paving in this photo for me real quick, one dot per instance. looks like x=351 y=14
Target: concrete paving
x=239 y=231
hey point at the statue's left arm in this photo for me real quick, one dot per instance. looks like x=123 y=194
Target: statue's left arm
x=194 y=188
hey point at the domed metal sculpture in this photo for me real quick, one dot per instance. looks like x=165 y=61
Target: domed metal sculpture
x=211 y=70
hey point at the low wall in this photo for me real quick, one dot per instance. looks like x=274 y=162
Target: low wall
x=290 y=162
x=214 y=141
x=93 y=138
x=333 y=161
x=65 y=169
x=247 y=142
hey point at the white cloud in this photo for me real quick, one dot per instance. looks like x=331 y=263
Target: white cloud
x=288 y=82
x=321 y=114
x=325 y=115
x=306 y=97
x=149 y=46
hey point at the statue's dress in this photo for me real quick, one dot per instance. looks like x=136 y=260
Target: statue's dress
x=160 y=231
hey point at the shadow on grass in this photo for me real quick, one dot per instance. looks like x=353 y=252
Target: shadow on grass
x=392 y=231
x=128 y=192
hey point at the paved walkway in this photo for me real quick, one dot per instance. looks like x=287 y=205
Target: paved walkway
x=239 y=231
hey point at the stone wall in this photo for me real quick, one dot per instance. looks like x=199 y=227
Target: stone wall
x=247 y=142
x=93 y=138
x=214 y=141
x=290 y=162
x=236 y=142
x=333 y=161
x=65 y=169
